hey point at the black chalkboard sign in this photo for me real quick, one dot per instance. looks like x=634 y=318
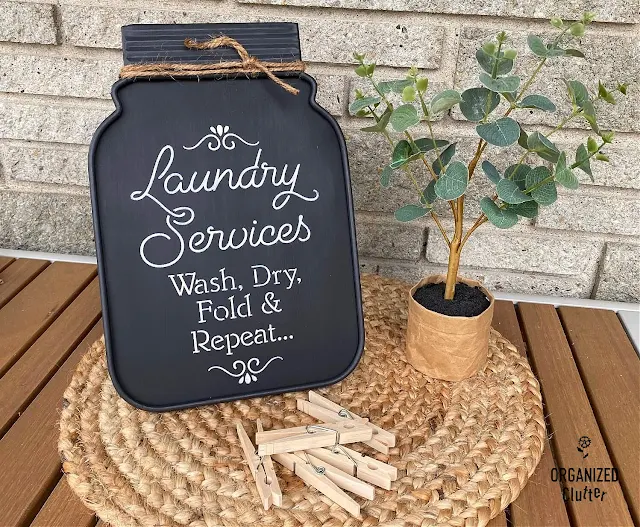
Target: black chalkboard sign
x=224 y=228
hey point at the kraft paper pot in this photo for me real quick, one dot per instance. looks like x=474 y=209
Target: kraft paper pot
x=447 y=347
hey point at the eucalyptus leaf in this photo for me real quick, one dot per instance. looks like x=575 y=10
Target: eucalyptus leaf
x=503 y=132
x=381 y=125
x=478 y=103
x=487 y=62
x=444 y=101
x=509 y=192
x=501 y=84
x=401 y=154
x=528 y=209
x=443 y=160
x=565 y=176
x=491 y=172
x=453 y=183
x=396 y=86
x=574 y=53
x=429 y=192
x=501 y=218
x=425 y=144
x=589 y=113
x=523 y=138
x=361 y=104
x=410 y=212
x=582 y=161
x=518 y=174
x=537 y=46
x=542 y=146
x=539 y=102
x=578 y=92
x=545 y=194
x=404 y=117
x=385 y=176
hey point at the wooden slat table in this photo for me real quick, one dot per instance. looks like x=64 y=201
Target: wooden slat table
x=586 y=364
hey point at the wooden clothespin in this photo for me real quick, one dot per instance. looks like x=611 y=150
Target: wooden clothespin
x=267 y=484
x=316 y=477
x=325 y=410
x=269 y=471
x=311 y=436
x=363 y=467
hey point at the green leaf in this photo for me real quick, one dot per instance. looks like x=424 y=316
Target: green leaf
x=491 y=172
x=509 y=192
x=501 y=218
x=425 y=144
x=578 y=93
x=422 y=84
x=582 y=161
x=477 y=103
x=589 y=113
x=429 y=192
x=503 y=132
x=385 y=176
x=518 y=174
x=404 y=117
x=537 y=46
x=528 y=209
x=401 y=154
x=574 y=53
x=361 y=71
x=445 y=157
x=381 y=125
x=592 y=144
x=453 y=183
x=546 y=194
x=410 y=212
x=542 y=146
x=444 y=101
x=487 y=61
x=503 y=84
x=361 y=104
x=539 y=102
x=396 y=86
x=604 y=94
x=564 y=175
x=523 y=138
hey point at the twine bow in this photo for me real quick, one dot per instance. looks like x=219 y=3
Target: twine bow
x=247 y=64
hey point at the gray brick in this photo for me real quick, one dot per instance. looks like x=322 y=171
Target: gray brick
x=608 y=11
x=45 y=75
x=58 y=124
x=581 y=212
x=42 y=163
x=46 y=222
x=388 y=238
x=620 y=272
x=331 y=92
x=500 y=281
x=491 y=249
x=27 y=22
x=322 y=40
x=609 y=58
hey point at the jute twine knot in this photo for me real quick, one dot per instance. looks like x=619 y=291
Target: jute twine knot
x=247 y=65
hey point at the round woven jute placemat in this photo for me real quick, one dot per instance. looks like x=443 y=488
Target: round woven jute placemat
x=464 y=450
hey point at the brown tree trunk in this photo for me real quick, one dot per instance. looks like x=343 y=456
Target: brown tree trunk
x=454 y=252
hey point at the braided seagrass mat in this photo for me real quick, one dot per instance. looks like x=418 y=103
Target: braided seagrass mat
x=464 y=450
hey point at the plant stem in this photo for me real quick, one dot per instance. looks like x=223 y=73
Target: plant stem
x=454 y=252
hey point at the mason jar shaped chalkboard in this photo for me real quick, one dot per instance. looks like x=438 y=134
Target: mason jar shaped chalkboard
x=224 y=224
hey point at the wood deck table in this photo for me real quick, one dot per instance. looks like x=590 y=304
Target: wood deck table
x=586 y=364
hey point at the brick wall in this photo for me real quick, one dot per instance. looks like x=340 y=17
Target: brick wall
x=59 y=59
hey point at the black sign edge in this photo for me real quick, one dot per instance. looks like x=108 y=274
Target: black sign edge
x=101 y=275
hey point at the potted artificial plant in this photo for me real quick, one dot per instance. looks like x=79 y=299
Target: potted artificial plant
x=450 y=316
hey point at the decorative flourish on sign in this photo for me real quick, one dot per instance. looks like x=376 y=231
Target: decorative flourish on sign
x=222 y=137
x=246 y=373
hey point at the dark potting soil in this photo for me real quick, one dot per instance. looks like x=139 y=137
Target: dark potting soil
x=467 y=302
